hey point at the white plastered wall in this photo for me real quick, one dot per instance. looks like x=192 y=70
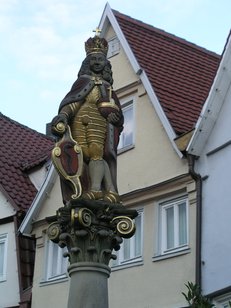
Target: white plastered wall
x=9 y=288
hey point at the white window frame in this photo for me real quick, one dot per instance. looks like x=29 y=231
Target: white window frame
x=162 y=227
x=222 y=301
x=49 y=262
x=4 y=242
x=127 y=103
x=113 y=47
x=133 y=259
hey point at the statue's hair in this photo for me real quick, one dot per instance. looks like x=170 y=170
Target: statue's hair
x=106 y=73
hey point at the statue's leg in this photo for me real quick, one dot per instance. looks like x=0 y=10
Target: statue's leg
x=109 y=186
x=96 y=171
x=111 y=194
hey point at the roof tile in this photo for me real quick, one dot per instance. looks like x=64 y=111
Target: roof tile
x=20 y=146
x=181 y=73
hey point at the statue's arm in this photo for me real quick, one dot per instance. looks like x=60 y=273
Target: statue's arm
x=116 y=118
x=66 y=113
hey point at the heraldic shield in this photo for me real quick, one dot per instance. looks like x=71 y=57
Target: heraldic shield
x=67 y=158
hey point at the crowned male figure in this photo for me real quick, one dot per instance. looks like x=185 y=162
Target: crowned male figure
x=93 y=113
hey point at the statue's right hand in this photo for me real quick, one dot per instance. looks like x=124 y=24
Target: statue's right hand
x=59 y=124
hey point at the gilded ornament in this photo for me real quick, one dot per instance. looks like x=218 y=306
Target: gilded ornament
x=125 y=226
x=56 y=151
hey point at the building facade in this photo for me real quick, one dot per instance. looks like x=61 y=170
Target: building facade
x=211 y=144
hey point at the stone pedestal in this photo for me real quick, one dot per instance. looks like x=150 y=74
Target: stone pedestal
x=88 y=285
x=90 y=230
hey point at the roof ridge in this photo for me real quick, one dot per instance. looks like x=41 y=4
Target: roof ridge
x=165 y=33
x=25 y=127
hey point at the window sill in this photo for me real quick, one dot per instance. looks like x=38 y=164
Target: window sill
x=60 y=279
x=113 y=54
x=171 y=254
x=125 y=149
x=127 y=265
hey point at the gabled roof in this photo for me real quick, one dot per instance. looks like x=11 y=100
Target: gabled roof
x=214 y=103
x=21 y=148
x=180 y=72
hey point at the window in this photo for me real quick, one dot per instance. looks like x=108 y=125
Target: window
x=3 y=256
x=127 y=135
x=113 y=47
x=56 y=265
x=131 y=249
x=223 y=301
x=173 y=225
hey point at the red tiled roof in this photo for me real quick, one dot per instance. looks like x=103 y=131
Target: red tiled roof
x=180 y=72
x=20 y=148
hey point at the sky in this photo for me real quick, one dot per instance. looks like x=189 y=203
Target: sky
x=42 y=44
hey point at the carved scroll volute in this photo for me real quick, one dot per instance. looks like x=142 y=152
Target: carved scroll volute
x=125 y=226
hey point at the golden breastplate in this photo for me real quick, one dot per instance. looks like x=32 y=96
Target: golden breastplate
x=93 y=96
x=88 y=124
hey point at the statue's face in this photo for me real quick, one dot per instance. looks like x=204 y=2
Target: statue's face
x=97 y=62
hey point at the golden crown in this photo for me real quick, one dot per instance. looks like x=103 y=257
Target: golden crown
x=96 y=44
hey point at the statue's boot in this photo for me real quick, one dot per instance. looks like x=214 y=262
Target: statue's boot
x=96 y=174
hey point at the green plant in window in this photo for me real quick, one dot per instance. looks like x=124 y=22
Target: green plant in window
x=194 y=297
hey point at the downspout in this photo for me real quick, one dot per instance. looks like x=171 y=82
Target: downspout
x=198 y=180
x=18 y=255
x=24 y=295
